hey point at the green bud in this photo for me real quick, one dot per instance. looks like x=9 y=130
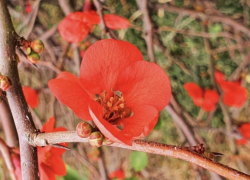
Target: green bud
x=33 y=57
x=37 y=46
x=28 y=50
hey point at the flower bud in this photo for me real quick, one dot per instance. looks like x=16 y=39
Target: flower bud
x=33 y=57
x=84 y=129
x=96 y=139
x=37 y=46
x=5 y=83
x=28 y=50
x=107 y=141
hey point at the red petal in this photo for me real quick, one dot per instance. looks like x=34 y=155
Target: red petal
x=144 y=83
x=113 y=21
x=31 y=96
x=241 y=141
x=73 y=28
x=91 y=18
x=119 y=174
x=67 y=88
x=45 y=172
x=57 y=166
x=219 y=77
x=49 y=125
x=104 y=61
x=107 y=129
x=142 y=117
x=245 y=130
x=195 y=92
x=229 y=86
x=236 y=97
x=211 y=98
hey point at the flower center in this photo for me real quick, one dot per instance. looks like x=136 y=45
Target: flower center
x=114 y=106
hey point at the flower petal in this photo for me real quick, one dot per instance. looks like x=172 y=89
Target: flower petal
x=45 y=172
x=31 y=96
x=113 y=21
x=67 y=88
x=73 y=28
x=219 y=77
x=103 y=62
x=245 y=130
x=241 y=141
x=107 y=129
x=195 y=92
x=49 y=125
x=57 y=166
x=141 y=123
x=211 y=98
x=235 y=97
x=144 y=83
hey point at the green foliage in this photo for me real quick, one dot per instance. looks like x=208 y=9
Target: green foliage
x=73 y=174
x=138 y=160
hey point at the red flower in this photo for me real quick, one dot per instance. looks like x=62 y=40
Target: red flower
x=234 y=94
x=118 y=174
x=50 y=158
x=116 y=22
x=76 y=26
x=17 y=164
x=116 y=89
x=31 y=96
x=245 y=132
x=207 y=99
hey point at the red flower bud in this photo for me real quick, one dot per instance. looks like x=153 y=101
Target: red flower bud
x=33 y=57
x=84 y=129
x=5 y=83
x=96 y=139
x=37 y=46
x=107 y=141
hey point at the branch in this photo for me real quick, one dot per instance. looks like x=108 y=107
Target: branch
x=44 y=139
x=4 y=149
x=200 y=15
x=8 y=124
x=22 y=117
x=147 y=28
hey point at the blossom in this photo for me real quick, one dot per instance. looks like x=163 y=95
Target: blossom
x=31 y=96
x=50 y=158
x=234 y=94
x=76 y=26
x=206 y=99
x=245 y=133
x=118 y=174
x=15 y=157
x=116 y=89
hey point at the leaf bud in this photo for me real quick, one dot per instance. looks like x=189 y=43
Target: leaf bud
x=37 y=46
x=96 y=139
x=84 y=129
x=5 y=83
x=28 y=50
x=33 y=57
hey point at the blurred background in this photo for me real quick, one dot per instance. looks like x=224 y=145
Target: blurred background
x=191 y=40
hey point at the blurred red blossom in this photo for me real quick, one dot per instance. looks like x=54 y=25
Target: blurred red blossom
x=15 y=157
x=245 y=133
x=50 y=158
x=234 y=94
x=206 y=99
x=31 y=96
x=118 y=174
x=76 y=26
x=116 y=89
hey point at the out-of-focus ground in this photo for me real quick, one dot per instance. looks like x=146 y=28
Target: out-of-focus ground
x=179 y=29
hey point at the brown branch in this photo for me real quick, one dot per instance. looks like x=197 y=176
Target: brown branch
x=200 y=15
x=105 y=29
x=193 y=33
x=8 y=124
x=4 y=149
x=147 y=28
x=18 y=105
x=186 y=154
